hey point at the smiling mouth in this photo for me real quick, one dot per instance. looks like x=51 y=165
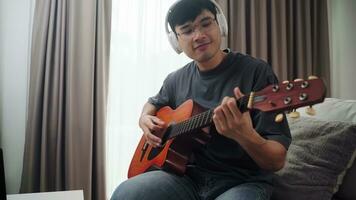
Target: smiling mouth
x=202 y=45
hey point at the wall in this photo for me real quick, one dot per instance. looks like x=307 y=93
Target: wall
x=343 y=48
x=15 y=25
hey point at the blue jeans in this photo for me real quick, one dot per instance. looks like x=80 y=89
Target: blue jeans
x=160 y=185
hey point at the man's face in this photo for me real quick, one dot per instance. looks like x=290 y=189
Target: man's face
x=200 y=40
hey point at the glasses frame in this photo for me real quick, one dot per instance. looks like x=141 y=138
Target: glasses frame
x=187 y=35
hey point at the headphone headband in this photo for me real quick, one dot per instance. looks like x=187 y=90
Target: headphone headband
x=172 y=38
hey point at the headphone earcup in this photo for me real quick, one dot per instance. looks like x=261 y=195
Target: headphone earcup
x=220 y=18
x=172 y=38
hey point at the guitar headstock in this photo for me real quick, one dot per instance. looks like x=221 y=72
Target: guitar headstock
x=289 y=95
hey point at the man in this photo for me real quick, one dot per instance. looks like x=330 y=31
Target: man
x=245 y=148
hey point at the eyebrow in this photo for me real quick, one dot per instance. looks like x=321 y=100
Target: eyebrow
x=190 y=23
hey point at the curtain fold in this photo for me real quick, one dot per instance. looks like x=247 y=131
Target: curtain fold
x=65 y=130
x=292 y=36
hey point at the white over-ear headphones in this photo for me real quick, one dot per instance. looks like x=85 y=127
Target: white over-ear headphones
x=220 y=18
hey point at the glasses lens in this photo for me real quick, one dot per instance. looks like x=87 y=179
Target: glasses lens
x=204 y=26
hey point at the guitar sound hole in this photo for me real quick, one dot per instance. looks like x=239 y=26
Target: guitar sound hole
x=154 y=152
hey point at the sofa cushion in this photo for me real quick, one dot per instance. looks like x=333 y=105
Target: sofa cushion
x=319 y=153
x=347 y=182
x=334 y=109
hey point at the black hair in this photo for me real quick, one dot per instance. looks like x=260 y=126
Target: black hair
x=187 y=10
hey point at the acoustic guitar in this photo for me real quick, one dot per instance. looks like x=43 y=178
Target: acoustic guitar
x=184 y=124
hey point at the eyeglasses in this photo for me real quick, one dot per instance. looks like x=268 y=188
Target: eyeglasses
x=188 y=31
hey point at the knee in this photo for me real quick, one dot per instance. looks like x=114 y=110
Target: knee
x=124 y=191
x=150 y=185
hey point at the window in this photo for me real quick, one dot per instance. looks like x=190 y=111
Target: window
x=141 y=58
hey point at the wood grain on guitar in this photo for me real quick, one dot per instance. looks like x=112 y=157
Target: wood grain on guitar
x=185 y=123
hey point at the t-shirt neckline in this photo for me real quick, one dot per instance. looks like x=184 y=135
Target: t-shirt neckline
x=221 y=67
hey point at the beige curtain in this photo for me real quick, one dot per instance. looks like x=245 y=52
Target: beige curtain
x=291 y=35
x=65 y=133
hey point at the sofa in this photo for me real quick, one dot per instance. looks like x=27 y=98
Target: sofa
x=320 y=162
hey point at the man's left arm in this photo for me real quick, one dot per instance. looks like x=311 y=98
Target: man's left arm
x=268 y=154
x=231 y=123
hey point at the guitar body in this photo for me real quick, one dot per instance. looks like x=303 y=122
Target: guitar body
x=174 y=153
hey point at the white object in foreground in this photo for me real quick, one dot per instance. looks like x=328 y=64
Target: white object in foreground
x=72 y=195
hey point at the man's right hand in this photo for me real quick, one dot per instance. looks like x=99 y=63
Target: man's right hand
x=152 y=125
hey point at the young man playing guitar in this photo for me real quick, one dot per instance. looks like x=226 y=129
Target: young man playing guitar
x=245 y=147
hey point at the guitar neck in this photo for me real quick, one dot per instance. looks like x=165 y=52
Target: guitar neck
x=200 y=120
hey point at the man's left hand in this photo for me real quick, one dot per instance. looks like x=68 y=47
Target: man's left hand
x=228 y=119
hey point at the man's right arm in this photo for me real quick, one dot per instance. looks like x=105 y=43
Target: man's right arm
x=150 y=124
x=148 y=109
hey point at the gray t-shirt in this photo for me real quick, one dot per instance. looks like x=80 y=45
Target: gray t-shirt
x=208 y=88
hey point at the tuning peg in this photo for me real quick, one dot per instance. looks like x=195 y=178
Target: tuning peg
x=298 y=79
x=285 y=82
x=312 y=77
x=310 y=111
x=279 y=118
x=294 y=114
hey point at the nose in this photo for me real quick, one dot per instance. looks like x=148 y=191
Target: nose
x=198 y=33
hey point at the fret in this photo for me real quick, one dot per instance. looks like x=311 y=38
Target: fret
x=187 y=126
x=190 y=125
x=200 y=120
x=207 y=120
x=184 y=126
x=203 y=119
x=193 y=124
x=210 y=116
x=196 y=122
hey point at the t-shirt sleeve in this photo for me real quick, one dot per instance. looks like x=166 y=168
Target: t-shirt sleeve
x=164 y=96
x=269 y=129
x=264 y=122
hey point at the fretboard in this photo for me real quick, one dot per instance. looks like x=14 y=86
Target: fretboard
x=200 y=120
